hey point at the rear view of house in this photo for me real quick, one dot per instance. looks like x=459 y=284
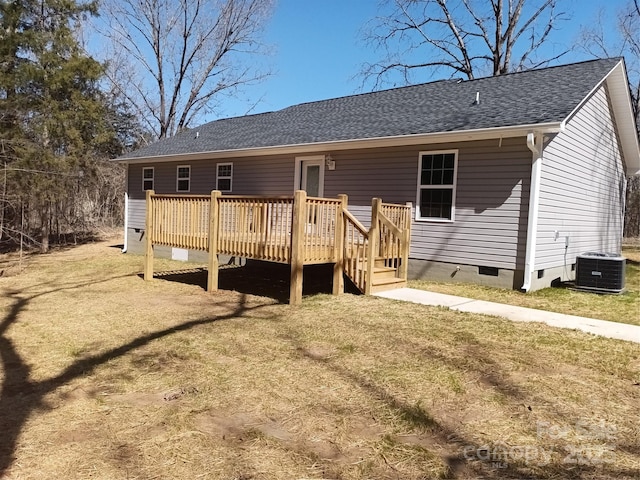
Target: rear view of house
x=510 y=177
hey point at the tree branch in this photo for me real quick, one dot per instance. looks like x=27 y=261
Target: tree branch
x=187 y=52
x=468 y=37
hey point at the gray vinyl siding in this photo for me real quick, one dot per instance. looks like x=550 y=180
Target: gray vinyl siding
x=582 y=187
x=251 y=176
x=492 y=197
x=491 y=194
x=136 y=213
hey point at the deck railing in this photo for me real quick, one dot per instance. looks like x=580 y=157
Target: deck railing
x=255 y=227
x=321 y=218
x=395 y=230
x=296 y=230
x=180 y=220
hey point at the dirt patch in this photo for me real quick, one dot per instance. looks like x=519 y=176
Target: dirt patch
x=317 y=352
x=140 y=399
x=368 y=430
x=75 y=436
x=241 y=427
x=424 y=441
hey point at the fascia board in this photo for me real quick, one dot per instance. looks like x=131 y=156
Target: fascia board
x=618 y=88
x=380 y=142
x=625 y=121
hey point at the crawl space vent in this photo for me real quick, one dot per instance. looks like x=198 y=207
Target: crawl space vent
x=600 y=272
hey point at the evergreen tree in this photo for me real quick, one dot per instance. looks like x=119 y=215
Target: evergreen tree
x=53 y=123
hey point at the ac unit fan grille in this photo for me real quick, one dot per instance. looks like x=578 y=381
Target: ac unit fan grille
x=602 y=272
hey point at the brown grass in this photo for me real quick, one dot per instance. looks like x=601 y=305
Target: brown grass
x=107 y=376
x=623 y=308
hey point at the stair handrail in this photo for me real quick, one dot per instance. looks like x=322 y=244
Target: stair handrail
x=355 y=250
x=390 y=225
x=356 y=222
x=394 y=235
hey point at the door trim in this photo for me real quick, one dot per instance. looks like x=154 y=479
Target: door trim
x=313 y=160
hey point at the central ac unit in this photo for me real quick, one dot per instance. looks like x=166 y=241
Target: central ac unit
x=600 y=272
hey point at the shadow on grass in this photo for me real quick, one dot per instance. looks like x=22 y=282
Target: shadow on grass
x=265 y=279
x=20 y=396
x=464 y=457
x=415 y=416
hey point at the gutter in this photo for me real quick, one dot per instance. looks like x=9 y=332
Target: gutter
x=535 y=144
x=349 y=144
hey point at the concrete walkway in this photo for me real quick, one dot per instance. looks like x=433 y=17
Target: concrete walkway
x=620 y=331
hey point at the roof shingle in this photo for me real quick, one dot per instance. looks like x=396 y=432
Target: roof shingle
x=525 y=98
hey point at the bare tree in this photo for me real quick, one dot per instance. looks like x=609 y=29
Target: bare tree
x=174 y=59
x=468 y=37
x=613 y=38
x=619 y=37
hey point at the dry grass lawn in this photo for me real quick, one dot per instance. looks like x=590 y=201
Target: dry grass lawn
x=617 y=308
x=106 y=376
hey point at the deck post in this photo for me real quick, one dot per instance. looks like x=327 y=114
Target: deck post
x=214 y=217
x=148 y=232
x=297 y=246
x=406 y=243
x=338 y=267
x=374 y=239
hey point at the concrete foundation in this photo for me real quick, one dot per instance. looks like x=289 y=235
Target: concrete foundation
x=458 y=273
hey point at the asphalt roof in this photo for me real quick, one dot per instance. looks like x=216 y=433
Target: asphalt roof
x=545 y=95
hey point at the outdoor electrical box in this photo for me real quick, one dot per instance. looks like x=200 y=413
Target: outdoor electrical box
x=600 y=272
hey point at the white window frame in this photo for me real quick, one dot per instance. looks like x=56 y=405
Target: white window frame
x=312 y=160
x=153 y=180
x=224 y=177
x=453 y=186
x=178 y=178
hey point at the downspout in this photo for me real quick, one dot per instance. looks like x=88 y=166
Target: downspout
x=125 y=244
x=624 y=209
x=534 y=142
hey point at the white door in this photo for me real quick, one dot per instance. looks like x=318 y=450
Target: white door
x=312 y=177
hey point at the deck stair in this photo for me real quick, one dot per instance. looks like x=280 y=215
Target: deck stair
x=386 y=242
x=385 y=278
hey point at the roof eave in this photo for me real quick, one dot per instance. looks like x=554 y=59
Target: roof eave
x=377 y=142
x=625 y=120
x=618 y=88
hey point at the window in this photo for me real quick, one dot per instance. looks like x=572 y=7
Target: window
x=224 y=175
x=147 y=178
x=437 y=185
x=183 y=178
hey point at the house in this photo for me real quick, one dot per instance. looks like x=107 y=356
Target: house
x=510 y=177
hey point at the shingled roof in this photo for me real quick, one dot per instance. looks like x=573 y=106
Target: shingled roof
x=527 y=98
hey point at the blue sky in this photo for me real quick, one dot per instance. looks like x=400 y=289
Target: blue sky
x=318 y=50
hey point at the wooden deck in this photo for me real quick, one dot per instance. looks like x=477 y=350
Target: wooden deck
x=296 y=230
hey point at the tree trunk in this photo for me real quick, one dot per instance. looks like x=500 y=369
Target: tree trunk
x=45 y=230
